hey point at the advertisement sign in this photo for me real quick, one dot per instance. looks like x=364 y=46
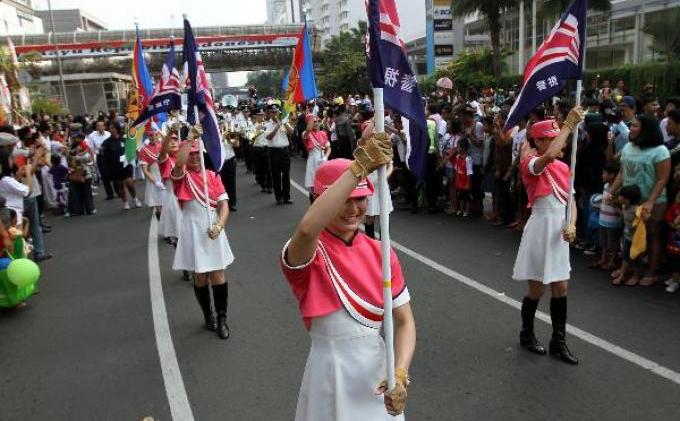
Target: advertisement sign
x=442 y=32
x=160 y=45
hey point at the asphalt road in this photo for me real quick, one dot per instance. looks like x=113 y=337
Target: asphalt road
x=85 y=347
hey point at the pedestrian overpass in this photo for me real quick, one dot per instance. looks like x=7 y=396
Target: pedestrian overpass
x=224 y=48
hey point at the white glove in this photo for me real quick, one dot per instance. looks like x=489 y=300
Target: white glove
x=159 y=184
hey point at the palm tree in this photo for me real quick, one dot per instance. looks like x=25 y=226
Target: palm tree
x=662 y=27
x=491 y=12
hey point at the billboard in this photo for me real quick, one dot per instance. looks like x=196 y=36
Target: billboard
x=440 y=34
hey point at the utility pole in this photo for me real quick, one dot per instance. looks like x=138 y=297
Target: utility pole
x=56 y=49
x=533 y=27
x=521 y=37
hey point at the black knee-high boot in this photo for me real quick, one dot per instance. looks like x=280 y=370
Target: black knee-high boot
x=203 y=297
x=527 y=338
x=370 y=230
x=221 y=297
x=558 y=343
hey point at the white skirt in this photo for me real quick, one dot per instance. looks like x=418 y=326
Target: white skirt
x=373 y=205
x=153 y=196
x=345 y=366
x=314 y=159
x=196 y=252
x=171 y=217
x=543 y=254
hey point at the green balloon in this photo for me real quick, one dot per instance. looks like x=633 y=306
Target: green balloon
x=23 y=272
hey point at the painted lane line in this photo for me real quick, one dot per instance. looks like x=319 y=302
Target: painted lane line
x=172 y=376
x=603 y=344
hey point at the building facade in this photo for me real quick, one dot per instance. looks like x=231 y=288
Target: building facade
x=280 y=12
x=331 y=17
x=70 y=20
x=19 y=18
x=614 y=38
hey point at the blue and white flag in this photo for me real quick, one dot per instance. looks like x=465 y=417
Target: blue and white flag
x=388 y=68
x=199 y=95
x=167 y=95
x=557 y=60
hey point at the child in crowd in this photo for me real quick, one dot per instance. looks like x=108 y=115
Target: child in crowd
x=673 y=246
x=462 y=165
x=609 y=232
x=16 y=230
x=629 y=200
x=59 y=173
x=448 y=149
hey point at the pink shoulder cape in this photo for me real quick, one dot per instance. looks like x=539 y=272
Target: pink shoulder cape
x=189 y=186
x=554 y=179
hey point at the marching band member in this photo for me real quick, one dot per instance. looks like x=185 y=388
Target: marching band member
x=171 y=215
x=230 y=140
x=201 y=249
x=335 y=273
x=263 y=174
x=318 y=150
x=277 y=133
x=148 y=161
x=543 y=255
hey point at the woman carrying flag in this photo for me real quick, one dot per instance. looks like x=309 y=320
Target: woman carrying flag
x=318 y=150
x=171 y=216
x=148 y=161
x=335 y=273
x=203 y=250
x=543 y=256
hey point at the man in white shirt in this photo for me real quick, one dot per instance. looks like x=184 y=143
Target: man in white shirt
x=263 y=173
x=95 y=140
x=277 y=134
x=230 y=140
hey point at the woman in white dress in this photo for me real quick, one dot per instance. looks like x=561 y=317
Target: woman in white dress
x=318 y=150
x=202 y=248
x=543 y=255
x=172 y=214
x=335 y=273
x=148 y=161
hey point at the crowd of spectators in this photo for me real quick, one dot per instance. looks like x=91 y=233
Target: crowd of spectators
x=628 y=157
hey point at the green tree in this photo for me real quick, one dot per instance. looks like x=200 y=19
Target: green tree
x=551 y=9
x=343 y=63
x=491 y=11
x=268 y=82
x=662 y=27
x=470 y=68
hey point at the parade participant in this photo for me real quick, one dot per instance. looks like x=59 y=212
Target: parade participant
x=335 y=273
x=171 y=215
x=373 y=202
x=263 y=174
x=543 y=256
x=318 y=150
x=95 y=140
x=277 y=133
x=113 y=149
x=148 y=161
x=230 y=140
x=202 y=249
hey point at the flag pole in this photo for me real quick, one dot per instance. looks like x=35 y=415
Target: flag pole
x=574 y=135
x=203 y=173
x=383 y=192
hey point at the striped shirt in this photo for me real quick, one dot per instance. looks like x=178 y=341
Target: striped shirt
x=610 y=216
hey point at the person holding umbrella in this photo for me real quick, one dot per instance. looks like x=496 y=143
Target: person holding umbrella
x=335 y=273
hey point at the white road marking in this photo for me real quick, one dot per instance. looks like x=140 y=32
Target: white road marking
x=172 y=376
x=605 y=345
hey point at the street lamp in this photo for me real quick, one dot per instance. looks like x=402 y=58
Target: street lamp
x=56 y=49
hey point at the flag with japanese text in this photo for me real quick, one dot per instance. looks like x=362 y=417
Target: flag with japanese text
x=388 y=68
x=557 y=60
x=167 y=95
x=200 y=96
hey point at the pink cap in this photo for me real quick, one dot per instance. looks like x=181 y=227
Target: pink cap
x=545 y=128
x=331 y=170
